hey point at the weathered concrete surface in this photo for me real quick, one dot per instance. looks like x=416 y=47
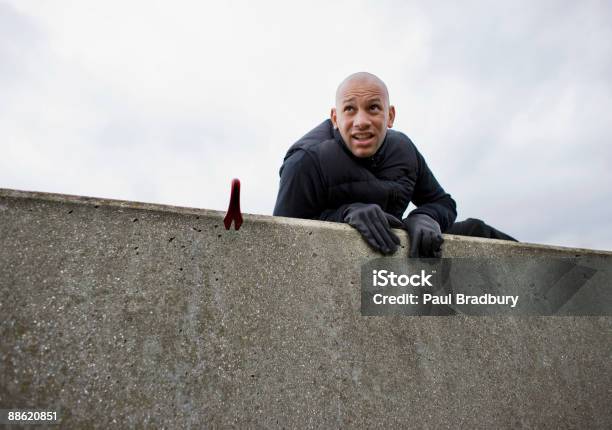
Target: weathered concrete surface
x=149 y=315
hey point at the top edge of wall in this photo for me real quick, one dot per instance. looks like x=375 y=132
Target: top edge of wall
x=213 y=214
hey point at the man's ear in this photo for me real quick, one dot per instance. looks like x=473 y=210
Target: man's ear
x=333 y=118
x=391 y=116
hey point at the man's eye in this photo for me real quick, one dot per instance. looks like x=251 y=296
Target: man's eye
x=348 y=108
x=375 y=107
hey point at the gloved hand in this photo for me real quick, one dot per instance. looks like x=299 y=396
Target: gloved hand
x=425 y=236
x=374 y=225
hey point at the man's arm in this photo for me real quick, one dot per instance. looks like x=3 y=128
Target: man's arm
x=301 y=191
x=431 y=199
x=302 y=194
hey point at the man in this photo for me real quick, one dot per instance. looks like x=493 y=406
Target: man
x=352 y=169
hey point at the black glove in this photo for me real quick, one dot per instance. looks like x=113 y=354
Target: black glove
x=374 y=225
x=425 y=236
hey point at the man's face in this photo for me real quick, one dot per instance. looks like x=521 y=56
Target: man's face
x=362 y=115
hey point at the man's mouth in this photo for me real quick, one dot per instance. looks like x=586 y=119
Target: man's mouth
x=362 y=138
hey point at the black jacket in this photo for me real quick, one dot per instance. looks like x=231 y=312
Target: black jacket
x=320 y=177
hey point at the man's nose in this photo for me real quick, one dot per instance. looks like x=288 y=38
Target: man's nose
x=361 y=119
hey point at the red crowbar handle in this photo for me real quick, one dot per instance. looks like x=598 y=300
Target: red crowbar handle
x=233 y=212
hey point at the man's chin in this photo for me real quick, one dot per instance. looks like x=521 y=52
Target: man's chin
x=363 y=152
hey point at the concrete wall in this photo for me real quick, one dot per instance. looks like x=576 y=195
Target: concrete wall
x=149 y=315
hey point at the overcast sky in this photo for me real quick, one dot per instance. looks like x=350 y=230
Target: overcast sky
x=166 y=102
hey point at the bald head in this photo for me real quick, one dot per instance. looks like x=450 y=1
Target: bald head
x=361 y=79
x=362 y=113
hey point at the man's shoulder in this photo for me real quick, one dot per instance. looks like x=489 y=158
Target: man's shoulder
x=319 y=137
x=398 y=148
x=399 y=140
